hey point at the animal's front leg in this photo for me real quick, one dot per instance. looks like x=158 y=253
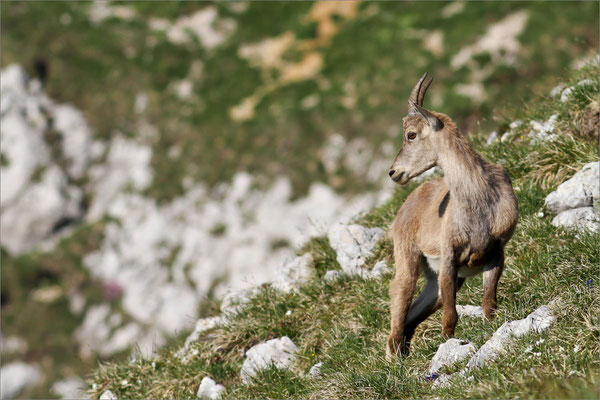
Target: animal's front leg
x=402 y=288
x=448 y=282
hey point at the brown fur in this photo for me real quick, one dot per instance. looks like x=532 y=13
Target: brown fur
x=464 y=219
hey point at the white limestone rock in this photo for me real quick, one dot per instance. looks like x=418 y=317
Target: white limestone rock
x=333 y=275
x=543 y=131
x=108 y=395
x=280 y=353
x=353 y=245
x=127 y=165
x=70 y=388
x=36 y=195
x=582 y=190
x=537 y=321
x=40 y=207
x=449 y=353
x=584 y=218
x=294 y=273
x=469 y=311
x=12 y=344
x=315 y=370
x=16 y=376
x=209 y=389
x=233 y=301
x=379 y=269
x=76 y=139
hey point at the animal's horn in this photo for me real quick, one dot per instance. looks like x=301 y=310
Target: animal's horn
x=415 y=94
x=423 y=90
x=434 y=122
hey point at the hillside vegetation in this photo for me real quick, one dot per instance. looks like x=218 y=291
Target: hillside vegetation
x=344 y=324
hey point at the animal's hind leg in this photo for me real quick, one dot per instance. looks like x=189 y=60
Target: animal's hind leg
x=491 y=276
x=425 y=305
x=428 y=302
x=402 y=288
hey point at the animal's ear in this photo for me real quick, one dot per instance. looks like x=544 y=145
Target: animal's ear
x=434 y=122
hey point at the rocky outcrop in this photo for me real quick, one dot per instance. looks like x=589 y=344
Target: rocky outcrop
x=576 y=201
x=45 y=148
x=294 y=273
x=280 y=353
x=537 y=321
x=499 y=343
x=354 y=244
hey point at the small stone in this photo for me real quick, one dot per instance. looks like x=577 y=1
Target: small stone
x=280 y=353
x=450 y=352
x=566 y=94
x=469 y=311
x=557 y=90
x=209 y=389
x=332 y=276
x=379 y=269
x=108 y=395
x=315 y=370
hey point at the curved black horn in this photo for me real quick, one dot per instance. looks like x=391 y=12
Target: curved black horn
x=415 y=94
x=423 y=90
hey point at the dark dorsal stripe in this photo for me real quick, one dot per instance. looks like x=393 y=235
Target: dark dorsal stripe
x=444 y=204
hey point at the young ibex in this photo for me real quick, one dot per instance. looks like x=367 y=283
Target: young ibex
x=451 y=227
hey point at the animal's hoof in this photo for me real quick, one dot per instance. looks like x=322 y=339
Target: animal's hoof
x=447 y=333
x=489 y=312
x=396 y=348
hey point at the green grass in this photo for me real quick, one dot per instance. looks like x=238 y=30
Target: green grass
x=344 y=324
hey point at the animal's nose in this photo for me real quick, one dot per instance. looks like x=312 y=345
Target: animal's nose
x=391 y=172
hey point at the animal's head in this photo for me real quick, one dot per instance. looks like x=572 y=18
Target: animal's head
x=423 y=130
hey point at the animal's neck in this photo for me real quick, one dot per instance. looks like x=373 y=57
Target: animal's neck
x=464 y=172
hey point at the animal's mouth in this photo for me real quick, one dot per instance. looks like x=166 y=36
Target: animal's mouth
x=402 y=178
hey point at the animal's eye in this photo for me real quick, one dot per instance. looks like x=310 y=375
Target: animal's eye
x=411 y=135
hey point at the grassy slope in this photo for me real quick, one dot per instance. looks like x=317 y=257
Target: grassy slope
x=344 y=325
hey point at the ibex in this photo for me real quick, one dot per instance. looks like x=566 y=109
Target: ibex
x=450 y=228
